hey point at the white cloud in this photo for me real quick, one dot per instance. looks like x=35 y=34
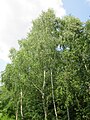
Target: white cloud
x=4 y=51
x=16 y=17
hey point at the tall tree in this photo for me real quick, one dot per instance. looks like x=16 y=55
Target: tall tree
x=49 y=76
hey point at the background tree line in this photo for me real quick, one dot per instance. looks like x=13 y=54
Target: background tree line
x=49 y=76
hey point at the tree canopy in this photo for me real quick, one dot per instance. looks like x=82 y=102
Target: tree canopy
x=49 y=76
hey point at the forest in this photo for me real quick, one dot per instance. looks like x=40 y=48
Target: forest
x=49 y=76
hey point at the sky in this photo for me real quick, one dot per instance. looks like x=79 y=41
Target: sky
x=16 y=17
x=78 y=8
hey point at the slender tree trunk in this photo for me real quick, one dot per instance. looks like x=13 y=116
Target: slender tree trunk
x=43 y=97
x=68 y=113
x=21 y=107
x=16 y=115
x=44 y=106
x=53 y=97
x=17 y=112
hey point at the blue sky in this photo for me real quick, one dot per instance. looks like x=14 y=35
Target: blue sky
x=16 y=17
x=2 y=64
x=78 y=8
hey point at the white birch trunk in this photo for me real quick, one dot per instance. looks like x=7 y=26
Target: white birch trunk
x=53 y=97
x=68 y=113
x=43 y=97
x=16 y=114
x=21 y=107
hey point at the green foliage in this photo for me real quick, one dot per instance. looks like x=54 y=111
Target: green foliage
x=6 y=117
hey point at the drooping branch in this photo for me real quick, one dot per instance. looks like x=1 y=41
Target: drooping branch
x=37 y=88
